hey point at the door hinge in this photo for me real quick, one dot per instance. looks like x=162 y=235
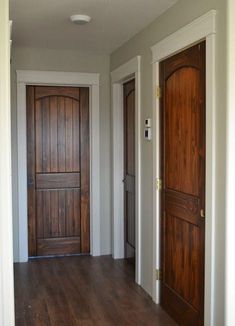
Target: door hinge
x=158 y=275
x=159 y=184
x=158 y=92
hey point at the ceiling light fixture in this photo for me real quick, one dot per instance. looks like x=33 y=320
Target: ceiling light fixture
x=80 y=19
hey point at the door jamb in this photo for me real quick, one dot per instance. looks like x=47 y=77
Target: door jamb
x=53 y=78
x=7 y=313
x=203 y=28
x=127 y=71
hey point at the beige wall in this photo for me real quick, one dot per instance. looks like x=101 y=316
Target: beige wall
x=69 y=61
x=178 y=16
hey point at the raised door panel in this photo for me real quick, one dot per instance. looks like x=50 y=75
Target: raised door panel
x=182 y=131
x=57 y=135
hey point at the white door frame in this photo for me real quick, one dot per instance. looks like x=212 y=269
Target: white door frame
x=53 y=78
x=203 y=28
x=7 y=315
x=127 y=71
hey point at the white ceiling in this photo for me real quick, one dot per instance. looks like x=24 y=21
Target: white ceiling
x=45 y=23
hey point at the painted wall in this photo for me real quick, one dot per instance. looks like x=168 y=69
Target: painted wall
x=176 y=17
x=69 y=61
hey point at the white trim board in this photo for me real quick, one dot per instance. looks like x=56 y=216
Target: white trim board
x=49 y=78
x=129 y=70
x=7 y=314
x=202 y=28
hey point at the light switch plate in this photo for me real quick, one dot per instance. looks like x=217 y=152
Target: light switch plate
x=147 y=134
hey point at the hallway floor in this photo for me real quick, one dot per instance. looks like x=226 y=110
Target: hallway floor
x=82 y=291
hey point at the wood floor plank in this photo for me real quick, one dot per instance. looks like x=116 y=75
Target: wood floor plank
x=82 y=290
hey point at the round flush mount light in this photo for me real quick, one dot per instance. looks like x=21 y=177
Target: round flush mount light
x=80 y=19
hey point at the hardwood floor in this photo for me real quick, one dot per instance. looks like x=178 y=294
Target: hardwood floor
x=82 y=291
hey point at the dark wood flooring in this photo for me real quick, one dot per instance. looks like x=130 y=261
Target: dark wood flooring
x=82 y=291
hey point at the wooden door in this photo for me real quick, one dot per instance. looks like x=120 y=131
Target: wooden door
x=58 y=170
x=183 y=199
x=129 y=167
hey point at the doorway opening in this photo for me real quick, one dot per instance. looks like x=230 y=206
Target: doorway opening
x=58 y=170
x=90 y=82
x=183 y=136
x=203 y=28
x=129 y=169
x=126 y=226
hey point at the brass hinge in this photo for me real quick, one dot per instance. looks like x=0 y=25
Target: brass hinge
x=158 y=92
x=158 y=274
x=159 y=184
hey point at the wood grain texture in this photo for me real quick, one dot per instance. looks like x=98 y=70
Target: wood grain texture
x=183 y=169
x=58 y=168
x=58 y=246
x=31 y=170
x=182 y=267
x=182 y=130
x=183 y=205
x=129 y=167
x=57 y=180
x=85 y=175
x=45 y=91
x=82 y=291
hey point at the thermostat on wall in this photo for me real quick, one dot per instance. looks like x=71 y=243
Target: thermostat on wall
x=147 y=134
x=147 y=123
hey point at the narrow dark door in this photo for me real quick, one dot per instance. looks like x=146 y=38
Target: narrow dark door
x=183 y=198
x=129 y=167
x=58 y=170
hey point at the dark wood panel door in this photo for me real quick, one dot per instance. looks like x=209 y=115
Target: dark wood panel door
x=183 y=199
x=58 y=170
x=129 y=167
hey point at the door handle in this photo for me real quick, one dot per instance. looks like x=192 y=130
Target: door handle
x=30 y=181
x=124 y=180
x=202 y=213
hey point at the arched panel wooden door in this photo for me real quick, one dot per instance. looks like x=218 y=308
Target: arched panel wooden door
x=183 y=198
x=58 y=170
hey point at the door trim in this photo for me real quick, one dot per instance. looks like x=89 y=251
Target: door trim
x=49 y=78
x=7 y=307
x=203 y=28
x=129 y=70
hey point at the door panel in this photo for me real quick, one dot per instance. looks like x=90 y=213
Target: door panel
x=129 y=167
x=183 y=198
x=58 y=170
x=181 y=132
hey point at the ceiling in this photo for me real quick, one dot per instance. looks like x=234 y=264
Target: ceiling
x=46 y=24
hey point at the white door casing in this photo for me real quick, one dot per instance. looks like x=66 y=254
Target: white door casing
x=52 y=78
x=7 y=313
x=127 y=71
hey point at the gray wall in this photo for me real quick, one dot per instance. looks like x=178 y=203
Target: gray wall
x=69 y=61
x=178 y=16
